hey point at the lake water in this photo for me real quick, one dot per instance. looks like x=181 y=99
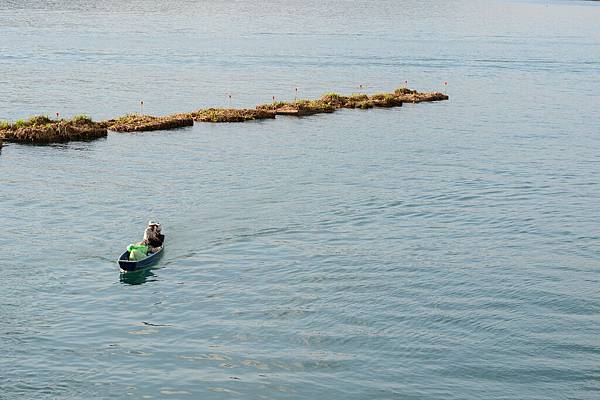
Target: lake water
x=435 y=251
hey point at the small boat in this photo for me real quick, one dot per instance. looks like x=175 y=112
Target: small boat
x=149 y=261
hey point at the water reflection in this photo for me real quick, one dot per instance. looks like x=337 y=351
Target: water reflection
x=137 y=277
x=82 y=146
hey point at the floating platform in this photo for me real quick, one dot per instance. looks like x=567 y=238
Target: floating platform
x=334 y=101
x=298 y=108
x=218 y=115
x=144 y=123
x=412 y=96
x=43 y=130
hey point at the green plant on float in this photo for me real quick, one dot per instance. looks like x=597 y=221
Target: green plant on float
x=82 y=118
x=366 y=104
x=390 y=99
x=379 y=96
x=358 y=97
x=213 y=115
x=400 y=91
x=38 y=120
x=19 y=123
x=4 y=124
x=332 y=96
x=311 y=103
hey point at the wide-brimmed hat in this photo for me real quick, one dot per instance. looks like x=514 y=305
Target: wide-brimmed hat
x=153 y=223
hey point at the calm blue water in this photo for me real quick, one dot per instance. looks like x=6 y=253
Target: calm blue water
x=434 y=251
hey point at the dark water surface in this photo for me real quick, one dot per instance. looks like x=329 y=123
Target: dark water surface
x=435 y=251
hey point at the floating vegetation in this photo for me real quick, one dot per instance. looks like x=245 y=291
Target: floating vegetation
x=338 y=101
x=82 y=118
x=412 y=96
x=43 y=130
x=298 y=108
x=335 y=100
x=3 y=125
x=386 y=100
x=395 y=99
x=231 y=115
x=142 y=123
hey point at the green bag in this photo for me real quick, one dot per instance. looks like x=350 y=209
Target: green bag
x=137 y=252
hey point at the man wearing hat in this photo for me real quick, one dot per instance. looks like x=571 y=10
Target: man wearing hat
x=153 y=237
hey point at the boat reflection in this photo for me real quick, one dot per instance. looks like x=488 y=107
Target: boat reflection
x=137 y=277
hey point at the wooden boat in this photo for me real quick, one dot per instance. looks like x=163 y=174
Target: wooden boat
x=149 y=261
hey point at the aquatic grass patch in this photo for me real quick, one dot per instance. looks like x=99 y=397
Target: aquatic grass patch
x=219 y=115
x=333 y=96
x=364 y=105
x=335 y=100
x=310 y=107
x=3 y=125
x=386 y=100
x=143 y=123
x=298 y=107
x=38 y=120
x=82 y=118
x=358 y=97
x=362 y=101
x=404 y=91
x=412 y=96
x=43 y=130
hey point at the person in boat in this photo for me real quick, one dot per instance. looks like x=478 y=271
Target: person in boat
x=153 y=238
